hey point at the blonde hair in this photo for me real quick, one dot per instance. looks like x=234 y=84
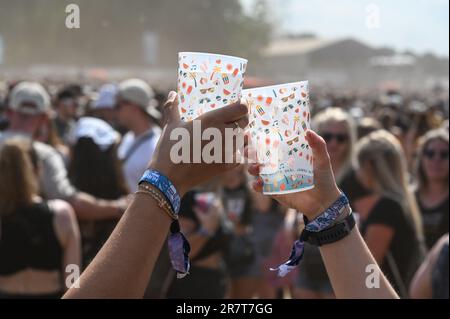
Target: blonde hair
x=385 y=155
x=437 y=134
x=18 y=180
x=336 y=115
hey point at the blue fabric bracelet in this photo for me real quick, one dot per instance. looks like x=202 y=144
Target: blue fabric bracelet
x=327 y=218
x=318 y=224
x=179 y=247
x=165 y=186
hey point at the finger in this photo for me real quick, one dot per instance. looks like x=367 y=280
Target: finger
x=171 y=113
x=254 y=169
x=228 y=114
x=258 y=185
x=242 y=123
x=251 y=154
x=319 y=149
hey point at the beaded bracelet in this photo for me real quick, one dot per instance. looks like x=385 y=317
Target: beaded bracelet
x=164 y=185
x=162 y=202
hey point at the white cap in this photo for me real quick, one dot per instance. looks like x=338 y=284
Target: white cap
x=141 y=94
x=106 y=97
x=101 y=133
x=30 y=98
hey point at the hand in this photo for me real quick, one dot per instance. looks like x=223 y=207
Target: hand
x=315 y=201
x=188 y=175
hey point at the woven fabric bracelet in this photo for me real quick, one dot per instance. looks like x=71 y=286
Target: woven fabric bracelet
x=161 y=189
x=318 y=224
x=164 y=185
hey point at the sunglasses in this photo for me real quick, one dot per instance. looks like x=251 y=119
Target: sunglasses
x=340 y=138
x=205 y=100
x=210 y=90
x=293 y=151
x=287 y=98
x=431 y=154
x=290 y=106
x=295 y=140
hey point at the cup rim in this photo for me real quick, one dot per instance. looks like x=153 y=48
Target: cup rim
x=276 y=86
x=213 y=55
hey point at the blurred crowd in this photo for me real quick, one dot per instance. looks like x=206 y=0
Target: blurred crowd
x=71 y=155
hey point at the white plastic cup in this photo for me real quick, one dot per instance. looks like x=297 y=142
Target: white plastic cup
x=278 y=121
x=208 y=82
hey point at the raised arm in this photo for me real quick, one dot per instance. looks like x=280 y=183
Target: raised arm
x=348 y=261
x=123 y=266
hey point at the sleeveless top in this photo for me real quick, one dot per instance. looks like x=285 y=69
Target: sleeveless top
x=28 y=240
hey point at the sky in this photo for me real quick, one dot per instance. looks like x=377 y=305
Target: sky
x=418 y=25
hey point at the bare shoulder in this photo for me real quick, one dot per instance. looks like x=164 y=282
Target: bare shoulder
x=65 y=219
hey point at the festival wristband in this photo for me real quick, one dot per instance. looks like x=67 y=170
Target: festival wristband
x=164 y=185
x=328 y=217
x=179 y=249
x=321 y=230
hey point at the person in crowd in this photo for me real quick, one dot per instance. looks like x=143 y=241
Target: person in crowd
x=124 y=265
x=39 y=239
x=66 y=106
x=267 y=221
x=28 y=112
x=366 y=126
x=421 y=120
x=202 y=221
x=136 y=110
x=238 y=205
x=432 y=195
x=104 y=105
x=390 y=219
x=96 y=170
x=431 y=280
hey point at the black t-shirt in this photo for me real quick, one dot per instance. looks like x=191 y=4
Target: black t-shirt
x=406 y=248
x=435 y=221
x=238 y=204
x=352 y=187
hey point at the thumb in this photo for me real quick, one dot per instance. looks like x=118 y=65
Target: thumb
x=319 y=149
x=171 y=113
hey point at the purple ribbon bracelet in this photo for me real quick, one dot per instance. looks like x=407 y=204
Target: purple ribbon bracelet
x=320 y=223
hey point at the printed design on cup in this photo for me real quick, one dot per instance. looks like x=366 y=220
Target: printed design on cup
x=207 y=82
x=278 y=121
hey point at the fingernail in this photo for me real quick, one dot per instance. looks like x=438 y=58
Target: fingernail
x=172 y=95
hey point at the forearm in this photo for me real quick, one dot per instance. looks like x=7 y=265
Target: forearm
x=123 y=266
x=346 y=262
x=88 y=207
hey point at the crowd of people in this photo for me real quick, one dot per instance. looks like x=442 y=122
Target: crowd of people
x=70 y=160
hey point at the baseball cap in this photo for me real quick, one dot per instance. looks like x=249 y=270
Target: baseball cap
x=30 y=98
x=106 y=97
x=141 y=94
x=101 y=133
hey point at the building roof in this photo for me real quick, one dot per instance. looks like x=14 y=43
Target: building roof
x=299 y=46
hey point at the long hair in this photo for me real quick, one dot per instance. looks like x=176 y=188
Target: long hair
x=18 y=181
x=389 y=169
x=96 y=172
x=421 y=177
x=337 y=115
